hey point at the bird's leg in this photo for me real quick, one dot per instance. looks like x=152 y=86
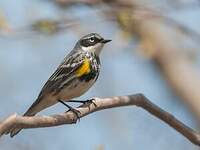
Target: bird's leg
x=84 y=102
x=76 y=101
x=75 y=111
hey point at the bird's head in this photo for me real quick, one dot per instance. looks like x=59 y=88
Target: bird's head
x=92 y=42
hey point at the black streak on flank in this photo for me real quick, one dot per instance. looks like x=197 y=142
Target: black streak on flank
x=87 y=77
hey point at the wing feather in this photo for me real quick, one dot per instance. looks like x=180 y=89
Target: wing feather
x=64 y=71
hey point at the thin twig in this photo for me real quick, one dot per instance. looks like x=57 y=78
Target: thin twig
x=101 y=103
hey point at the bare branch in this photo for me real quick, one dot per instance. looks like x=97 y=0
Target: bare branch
x=69 y=118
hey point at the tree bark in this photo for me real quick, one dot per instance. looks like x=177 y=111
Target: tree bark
x=15 y=121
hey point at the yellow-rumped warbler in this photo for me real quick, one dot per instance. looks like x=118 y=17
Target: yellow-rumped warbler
x=73 y=77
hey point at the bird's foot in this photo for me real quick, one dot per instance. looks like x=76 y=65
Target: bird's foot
x=75 y=111
x=90 y=101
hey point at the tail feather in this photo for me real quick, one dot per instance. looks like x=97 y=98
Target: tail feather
x=36 y=107
x=15 y=131
x=30 y=112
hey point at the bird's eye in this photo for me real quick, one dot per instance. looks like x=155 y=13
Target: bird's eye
x=92 y=39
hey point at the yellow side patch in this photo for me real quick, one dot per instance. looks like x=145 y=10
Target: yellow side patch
x=84 y=68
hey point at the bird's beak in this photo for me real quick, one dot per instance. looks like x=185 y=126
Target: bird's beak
x=105 y=41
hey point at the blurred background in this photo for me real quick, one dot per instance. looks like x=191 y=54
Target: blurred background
x=155 y=51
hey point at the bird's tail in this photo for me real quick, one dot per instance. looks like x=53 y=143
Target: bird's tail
x=30 y=112
x=15 y=131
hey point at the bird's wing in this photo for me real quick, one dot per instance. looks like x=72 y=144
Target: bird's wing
x=64 y=71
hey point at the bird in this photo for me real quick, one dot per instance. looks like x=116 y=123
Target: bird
x=73 y=77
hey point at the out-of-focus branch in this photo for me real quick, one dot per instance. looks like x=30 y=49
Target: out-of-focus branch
x=134 y=6
x=124 y=3
x=15 y=121
x=170 y=57
x=168 y=52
